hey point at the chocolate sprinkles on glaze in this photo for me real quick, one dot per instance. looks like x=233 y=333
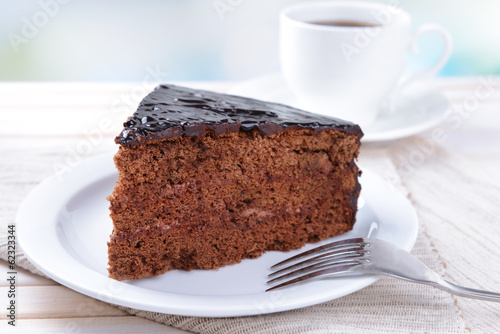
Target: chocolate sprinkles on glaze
x=171 y=111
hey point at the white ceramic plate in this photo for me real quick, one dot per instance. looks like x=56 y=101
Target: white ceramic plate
x=420 y=108
x=63 y=226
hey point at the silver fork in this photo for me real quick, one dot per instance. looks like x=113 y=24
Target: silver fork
x=364 y=256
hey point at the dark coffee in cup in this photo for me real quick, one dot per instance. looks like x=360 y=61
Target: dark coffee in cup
x=344 y=23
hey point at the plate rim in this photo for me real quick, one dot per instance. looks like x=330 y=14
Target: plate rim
x=369 y=137
x=119 y=293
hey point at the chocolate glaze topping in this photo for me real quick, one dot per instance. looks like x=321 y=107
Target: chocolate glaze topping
x=171 y=111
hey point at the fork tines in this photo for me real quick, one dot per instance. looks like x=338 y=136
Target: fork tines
x=334 y=258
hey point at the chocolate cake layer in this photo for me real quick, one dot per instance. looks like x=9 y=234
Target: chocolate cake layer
x=171 y=111
x=209 y=199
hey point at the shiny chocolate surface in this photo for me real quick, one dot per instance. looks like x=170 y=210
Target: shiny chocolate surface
x=171 y=111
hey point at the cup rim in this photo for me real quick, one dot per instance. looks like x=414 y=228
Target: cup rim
x=285 y=13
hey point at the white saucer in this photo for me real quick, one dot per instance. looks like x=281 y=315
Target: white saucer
x=63 y=226
x=421 y=108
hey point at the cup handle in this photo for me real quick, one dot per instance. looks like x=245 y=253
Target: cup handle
x=424 y=74
x=426 y=28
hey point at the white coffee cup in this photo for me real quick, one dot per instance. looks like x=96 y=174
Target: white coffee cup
x=337 y=67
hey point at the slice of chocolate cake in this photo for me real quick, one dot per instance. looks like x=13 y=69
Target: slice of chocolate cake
x=206 y=180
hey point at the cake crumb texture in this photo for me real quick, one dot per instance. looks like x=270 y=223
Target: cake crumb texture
x=202 y=202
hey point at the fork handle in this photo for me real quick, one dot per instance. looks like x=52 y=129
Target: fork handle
x=466 y=292
x=399 y=263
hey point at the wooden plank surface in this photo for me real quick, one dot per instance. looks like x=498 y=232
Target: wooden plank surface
x=51 y=301
x=123 y=324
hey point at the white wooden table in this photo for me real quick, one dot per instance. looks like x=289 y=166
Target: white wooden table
x=78 y=108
